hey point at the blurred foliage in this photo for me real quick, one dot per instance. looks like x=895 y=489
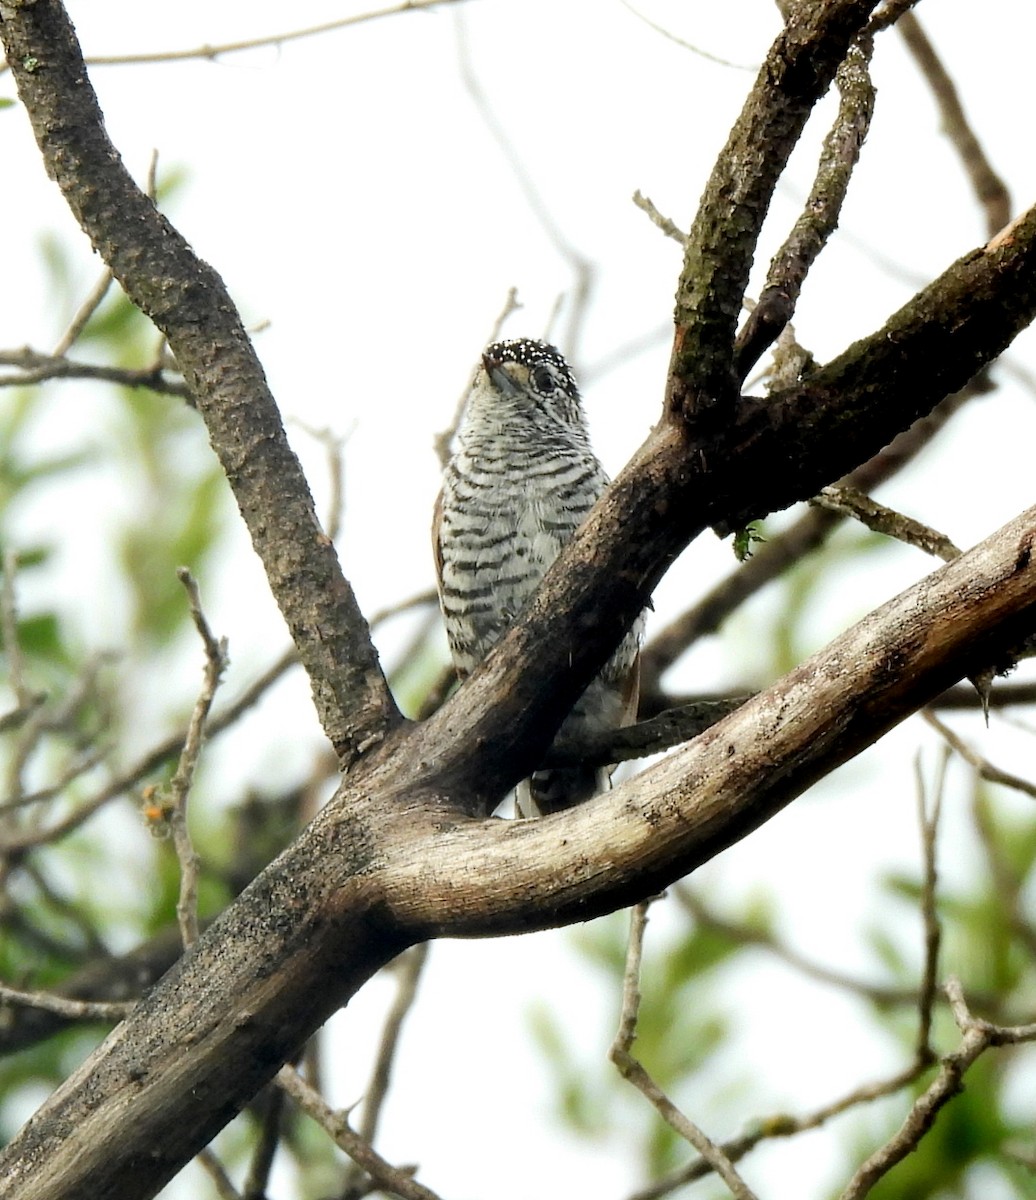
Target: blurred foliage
x=172 y=509
x=688 y=1014
x=981 y=1137
x=69 y=712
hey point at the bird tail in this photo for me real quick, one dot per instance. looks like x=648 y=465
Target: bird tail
x=546 y=792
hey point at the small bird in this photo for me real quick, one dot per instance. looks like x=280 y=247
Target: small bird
x=520 y=483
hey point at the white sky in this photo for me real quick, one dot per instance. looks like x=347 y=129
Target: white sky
x=351 y=195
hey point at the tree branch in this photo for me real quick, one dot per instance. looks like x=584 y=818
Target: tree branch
x=721 y=246
x=990 y=190
x=189 y=303
x=397 y=857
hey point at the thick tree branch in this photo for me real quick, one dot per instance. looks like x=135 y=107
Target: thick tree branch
x=776 y=555
x=188 y=302
x=721 y=246
x=392 y=861
x=819 y=217
x=767 y=454
x=387 y=865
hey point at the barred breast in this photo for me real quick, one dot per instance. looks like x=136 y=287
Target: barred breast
x=519 y=485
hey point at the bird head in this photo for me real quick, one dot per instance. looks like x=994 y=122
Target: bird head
x=526 y=371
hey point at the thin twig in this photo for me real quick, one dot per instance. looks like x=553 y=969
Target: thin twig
x=180 y=784
x=334 y=449
x=634 y=1072
x=420 y=600
x=409 y=967
x=668 y=226
x=581 y=267
x=1007 y=882
x=444 y=439
x=666 y=33
x=398 y=1180
x=928 y=819
x=35 y=367
x=81 y=764
x=26 y=698
x=742 y=934
x=218 y=1174
x=850 y=502
x=779 y=1125
x=274 y=39
x=98 y=292
x=74 y=1010
x=152 y=760
x=990 y=190
x=891 y=12
x=986 y=769
x=86 y=310
x=272 y=1103
x=819 y=217
x=977 y=1037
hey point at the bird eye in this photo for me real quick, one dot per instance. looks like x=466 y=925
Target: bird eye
x=543 y=380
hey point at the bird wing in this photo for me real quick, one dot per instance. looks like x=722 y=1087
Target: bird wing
x=630 y=692
x=437 y=540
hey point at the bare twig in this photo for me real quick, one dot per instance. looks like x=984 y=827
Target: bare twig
x=819 y=217
x=334 y=449
x=986 y=769
x=848 y=501
x=100 y=289
x=86 y=310
x=634 y=1072
x=397 y=1180
x=218 y=1174
x=786 y=1126
x=408 y=967
x=890 y=12
x=444 y=439
x=778 y=1125
x=977 y=1037
x=928 y=818
x=79 y=765
x=1004 y=695
x=152 y=760
x=581 y=267
x=26 y=698
x=666 y=224
x=180 y=784
x=274 y=39
x=420 y=600
x=272 y=1106
x=35 y=367
x=661 y=732
x=666 y=33
x=61 y=1006
x=742 y=934
x=1007 y=882
x=989 y=188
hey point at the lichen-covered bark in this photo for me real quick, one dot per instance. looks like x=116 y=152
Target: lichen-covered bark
x=798 y=70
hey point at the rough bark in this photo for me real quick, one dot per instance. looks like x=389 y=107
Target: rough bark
x=389 y=863
x=189 y=303
x=401 y=854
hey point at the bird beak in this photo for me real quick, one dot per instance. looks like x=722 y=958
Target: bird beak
x=499 y=374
